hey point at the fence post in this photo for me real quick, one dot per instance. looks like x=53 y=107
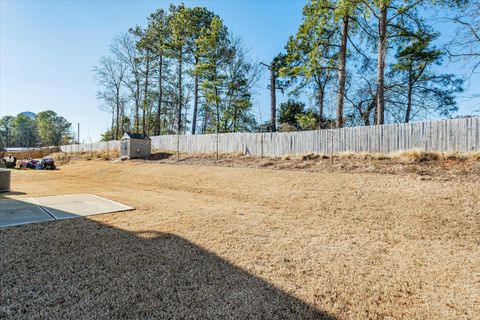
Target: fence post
x=178 y=145
x=261 y=145
x=331 y=146
x=216 y=145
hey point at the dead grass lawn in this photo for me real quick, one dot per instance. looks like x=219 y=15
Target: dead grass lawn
x=216 y=242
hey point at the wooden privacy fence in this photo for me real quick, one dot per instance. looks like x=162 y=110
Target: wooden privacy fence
x=460 y=135
x=92 y=147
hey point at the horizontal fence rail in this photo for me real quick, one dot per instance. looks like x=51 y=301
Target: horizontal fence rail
x=460 y=135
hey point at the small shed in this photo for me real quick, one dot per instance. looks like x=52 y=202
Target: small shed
x=135 y=145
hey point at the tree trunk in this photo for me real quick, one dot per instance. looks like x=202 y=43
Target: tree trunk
x=366 y=115
x=235 y=116
x=113 y=127
x=382 y=48
x=117 y=106
x=137 y=106
x=204 y=124
x=195 y=102
x=217 y=107
x=409 y=98
x=122 y=117
x=366 y=118
x=195 y=106
x=145 y=96
x=179 y=120
x=320 y=101
x=218 y=118
x=273 y=98
x=160 y=97
x=341 y=72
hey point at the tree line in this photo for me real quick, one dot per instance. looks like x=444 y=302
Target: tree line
x=184 y=58
x=361 y=63
x=372 y=62
x=29 y=130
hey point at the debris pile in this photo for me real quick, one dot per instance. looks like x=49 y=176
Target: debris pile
x=10 y=162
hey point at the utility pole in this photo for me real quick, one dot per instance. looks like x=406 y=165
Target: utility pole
x=273 y=97
x=78 y=132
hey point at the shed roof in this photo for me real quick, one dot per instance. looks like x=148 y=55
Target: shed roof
x=139 y=136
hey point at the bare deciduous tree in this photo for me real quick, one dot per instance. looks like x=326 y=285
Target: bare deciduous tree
x=465 y=43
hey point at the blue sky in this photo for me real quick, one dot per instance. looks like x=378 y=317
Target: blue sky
x=48 y=49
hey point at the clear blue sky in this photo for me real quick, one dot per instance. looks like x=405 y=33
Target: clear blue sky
x=48 y=49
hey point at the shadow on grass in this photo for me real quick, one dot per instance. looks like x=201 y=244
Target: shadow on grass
x=6 y=194
x=80 y=269
x=160 y=156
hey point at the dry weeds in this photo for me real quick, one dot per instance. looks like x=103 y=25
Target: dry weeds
x=436 y=165
x=426 y=164
x=62 y=157
x=214 y=242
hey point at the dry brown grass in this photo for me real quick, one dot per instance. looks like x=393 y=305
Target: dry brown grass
x=434 y=164
x=442 y=165
x=425 y=156
x=412 y=156
x=215 y=242
x=62 y=158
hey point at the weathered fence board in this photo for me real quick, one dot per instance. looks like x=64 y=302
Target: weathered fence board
x=460 y=135
x=91 y=147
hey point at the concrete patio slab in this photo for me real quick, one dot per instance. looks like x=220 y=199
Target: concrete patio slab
x=18 y=211
x=21 y=211
x=78 y=205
